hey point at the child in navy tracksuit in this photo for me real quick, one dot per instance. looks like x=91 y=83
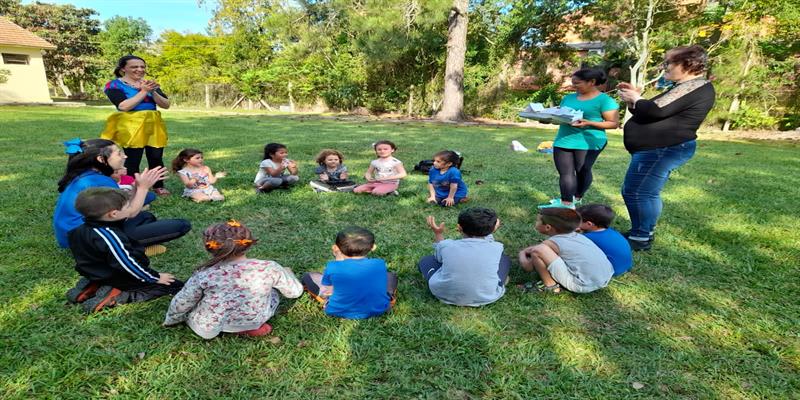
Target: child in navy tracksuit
x=113 y=267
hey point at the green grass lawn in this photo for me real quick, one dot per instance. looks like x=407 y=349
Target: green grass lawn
x=711 y=313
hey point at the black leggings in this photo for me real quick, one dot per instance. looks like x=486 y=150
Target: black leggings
x=155 y=158
x=574 y=170
x=147 y=230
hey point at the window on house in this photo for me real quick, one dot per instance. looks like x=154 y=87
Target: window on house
x=9 y=58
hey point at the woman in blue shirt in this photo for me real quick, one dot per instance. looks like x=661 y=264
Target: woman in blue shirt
x=91 y=163
x=578 y=145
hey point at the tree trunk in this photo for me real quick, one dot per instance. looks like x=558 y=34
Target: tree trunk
x=453 y=101
x=736 y=102
x=62 y=86
x=639 y=69
x=208 y=95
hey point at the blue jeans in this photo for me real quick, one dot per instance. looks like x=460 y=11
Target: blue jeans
x=646 y=176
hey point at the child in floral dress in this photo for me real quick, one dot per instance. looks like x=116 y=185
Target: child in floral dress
x=230 y=292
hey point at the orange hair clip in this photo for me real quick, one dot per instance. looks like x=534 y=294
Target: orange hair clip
x=213 y=245
x=243 y=242
x=234 y=223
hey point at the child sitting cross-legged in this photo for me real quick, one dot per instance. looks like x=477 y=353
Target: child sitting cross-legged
x=445 y=186
x=230 y=292
x=353 y=286
x=566 y=259
x=595 y=225
x=332 y=173
x=276 y=169
x=471 y=271
x=114 y=268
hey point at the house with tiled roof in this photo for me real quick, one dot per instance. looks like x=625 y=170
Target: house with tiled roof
x=21 y=55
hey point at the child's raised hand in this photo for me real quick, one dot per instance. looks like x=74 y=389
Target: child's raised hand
x=147 y=178
x=165 y=278
x=438 y=229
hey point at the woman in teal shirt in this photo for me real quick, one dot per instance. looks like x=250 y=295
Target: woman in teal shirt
x=578 y=145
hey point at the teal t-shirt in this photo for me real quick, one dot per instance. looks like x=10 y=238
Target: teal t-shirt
x=570 y=137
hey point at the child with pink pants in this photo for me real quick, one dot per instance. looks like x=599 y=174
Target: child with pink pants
x=384 y=173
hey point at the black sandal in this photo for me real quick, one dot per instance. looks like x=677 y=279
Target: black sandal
x=539 y=287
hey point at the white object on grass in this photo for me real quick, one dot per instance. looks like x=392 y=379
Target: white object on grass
x=517 y=146
x=560 y=115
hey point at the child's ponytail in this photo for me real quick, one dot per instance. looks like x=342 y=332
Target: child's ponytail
x=225 y=241
x=180 y=160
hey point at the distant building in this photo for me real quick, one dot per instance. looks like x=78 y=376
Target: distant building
x=21 y=54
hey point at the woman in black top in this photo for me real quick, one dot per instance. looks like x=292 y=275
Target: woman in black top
x=661 y=136
x=137 y=127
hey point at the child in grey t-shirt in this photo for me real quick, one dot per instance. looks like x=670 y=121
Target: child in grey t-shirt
x=566 y=259
x=471 y=271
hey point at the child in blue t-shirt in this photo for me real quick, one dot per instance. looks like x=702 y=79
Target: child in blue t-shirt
x=445 y=186
x=596 y=219
x=353 y=286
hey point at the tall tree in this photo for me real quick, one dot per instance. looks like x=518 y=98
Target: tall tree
x=453 y=100
x=73 y=31
x=124 y=35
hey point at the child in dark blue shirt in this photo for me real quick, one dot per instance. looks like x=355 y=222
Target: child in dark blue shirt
x=445 y=186
x=353 y=286
x=596 y=219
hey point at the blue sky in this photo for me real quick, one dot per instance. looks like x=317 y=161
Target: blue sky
x=179 y=15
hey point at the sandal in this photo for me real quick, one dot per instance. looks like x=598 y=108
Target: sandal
x=161 y=191
x=539 y=287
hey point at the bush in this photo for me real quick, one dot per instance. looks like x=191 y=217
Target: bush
x=509 y=109
x=752 y=118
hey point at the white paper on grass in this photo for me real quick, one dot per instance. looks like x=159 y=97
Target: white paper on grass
x=560 y=115
x=517 y=146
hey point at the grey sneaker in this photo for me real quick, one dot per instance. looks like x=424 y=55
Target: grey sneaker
x=83 y=290
x=105 y=297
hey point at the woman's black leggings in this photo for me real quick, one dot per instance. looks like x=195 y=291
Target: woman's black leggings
x=574 y=171
x=155 y=158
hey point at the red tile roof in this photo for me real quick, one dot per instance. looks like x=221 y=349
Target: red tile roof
x=12 y=34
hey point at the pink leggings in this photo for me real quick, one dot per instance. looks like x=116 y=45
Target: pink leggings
x=377 y=188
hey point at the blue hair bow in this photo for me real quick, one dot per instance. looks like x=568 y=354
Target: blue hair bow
x=73 y=146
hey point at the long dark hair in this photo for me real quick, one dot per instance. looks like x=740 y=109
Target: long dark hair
x=123 y=61
x=87 y=160
x=226 y=240
x=183 y=156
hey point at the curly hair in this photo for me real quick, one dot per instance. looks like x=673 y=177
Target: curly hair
x=271 y=148
x=226 y=240
x=328 y=152
x=693 y=59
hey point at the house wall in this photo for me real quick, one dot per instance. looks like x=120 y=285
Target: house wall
x=27 y=83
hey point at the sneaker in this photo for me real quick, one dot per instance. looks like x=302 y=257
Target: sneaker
x=83 y=290
x=263 y=330
x=319 y=187
x=154 y=250
x=556 y=203
x=640 y=245
x=395 y=193
x=577 y=202
x=105 y=297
